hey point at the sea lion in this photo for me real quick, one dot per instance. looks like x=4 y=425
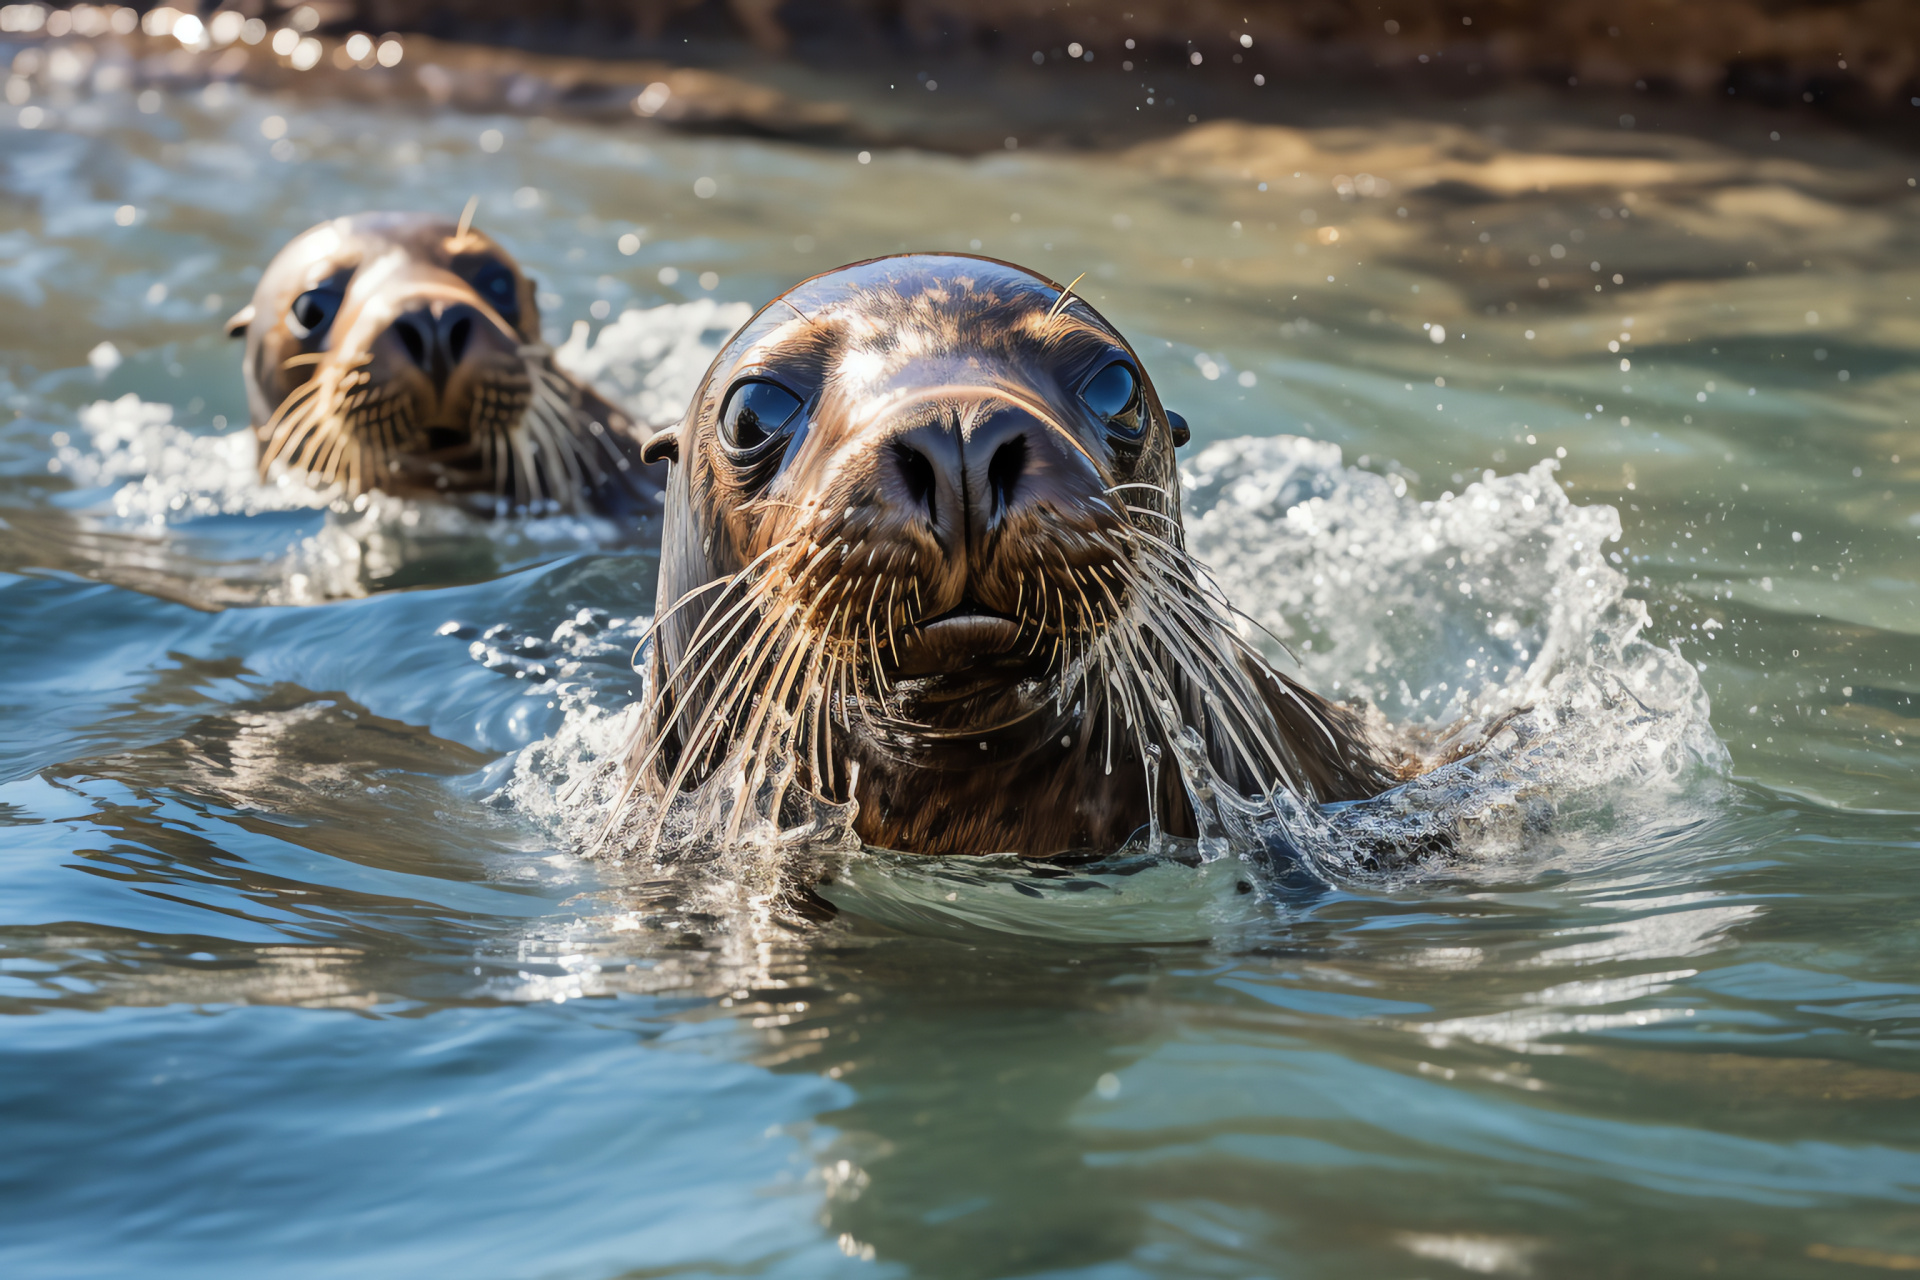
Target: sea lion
x=922 y=550
x=402 y=352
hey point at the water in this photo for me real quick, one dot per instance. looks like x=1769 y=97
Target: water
x=303 y=973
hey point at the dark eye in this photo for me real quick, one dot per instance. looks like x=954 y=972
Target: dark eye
x=496 y=283
x=313 y=311
x=755 y=412
x=1114 y=394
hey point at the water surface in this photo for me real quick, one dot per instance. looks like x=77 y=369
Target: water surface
x=303 y=974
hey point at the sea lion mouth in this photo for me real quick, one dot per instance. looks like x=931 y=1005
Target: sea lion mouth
x=956 y=640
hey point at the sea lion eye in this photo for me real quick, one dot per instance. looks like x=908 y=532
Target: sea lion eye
x=496 y=283
x=755 y=412
x=314 y=310
x=1114 y=394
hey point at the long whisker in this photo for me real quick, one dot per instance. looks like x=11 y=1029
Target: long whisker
x=714 y=634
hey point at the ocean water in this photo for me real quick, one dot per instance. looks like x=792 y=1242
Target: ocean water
x=302 y=970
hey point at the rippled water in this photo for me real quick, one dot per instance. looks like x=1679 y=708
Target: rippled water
x=303 y=976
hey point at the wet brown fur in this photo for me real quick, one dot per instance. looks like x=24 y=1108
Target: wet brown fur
x=792 y=587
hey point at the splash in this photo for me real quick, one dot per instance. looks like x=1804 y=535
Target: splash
x=570 y=782
x=162 y=473
x=575 y=781
x=1495 y=617
x=1489 y=628
x=640 y=924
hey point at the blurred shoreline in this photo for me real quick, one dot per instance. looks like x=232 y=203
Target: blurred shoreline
x=1006 y=75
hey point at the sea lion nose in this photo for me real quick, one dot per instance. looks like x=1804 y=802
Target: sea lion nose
x=927 y=476
x=965 y=473
x=437 y=337
x=1021 y=467
x=999 y=451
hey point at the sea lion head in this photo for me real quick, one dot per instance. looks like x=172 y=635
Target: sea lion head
x=402 y=352
x=923 y=545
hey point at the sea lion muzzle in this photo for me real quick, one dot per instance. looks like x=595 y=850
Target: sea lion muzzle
x=967 y=470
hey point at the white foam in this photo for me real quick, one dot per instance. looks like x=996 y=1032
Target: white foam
x=651 y=361
x=1542 y=649
x=1455 y=615
x=163 y=474
x=570 y=782
x=166 y=473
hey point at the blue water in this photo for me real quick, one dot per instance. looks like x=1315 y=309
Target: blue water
x=302 y=974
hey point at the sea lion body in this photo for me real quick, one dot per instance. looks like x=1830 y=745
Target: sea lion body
x=402 y=352
x=922 y=547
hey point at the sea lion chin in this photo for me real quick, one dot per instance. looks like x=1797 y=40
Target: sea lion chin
x=922 y=551
x=402 y=352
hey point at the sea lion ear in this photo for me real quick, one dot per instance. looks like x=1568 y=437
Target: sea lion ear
x=1181 y=431
x=663 y=447
x=237 y=325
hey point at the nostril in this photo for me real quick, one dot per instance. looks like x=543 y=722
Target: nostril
x=457 y=338
x=1004 y=472
x=916 y=472
x=413 y=340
